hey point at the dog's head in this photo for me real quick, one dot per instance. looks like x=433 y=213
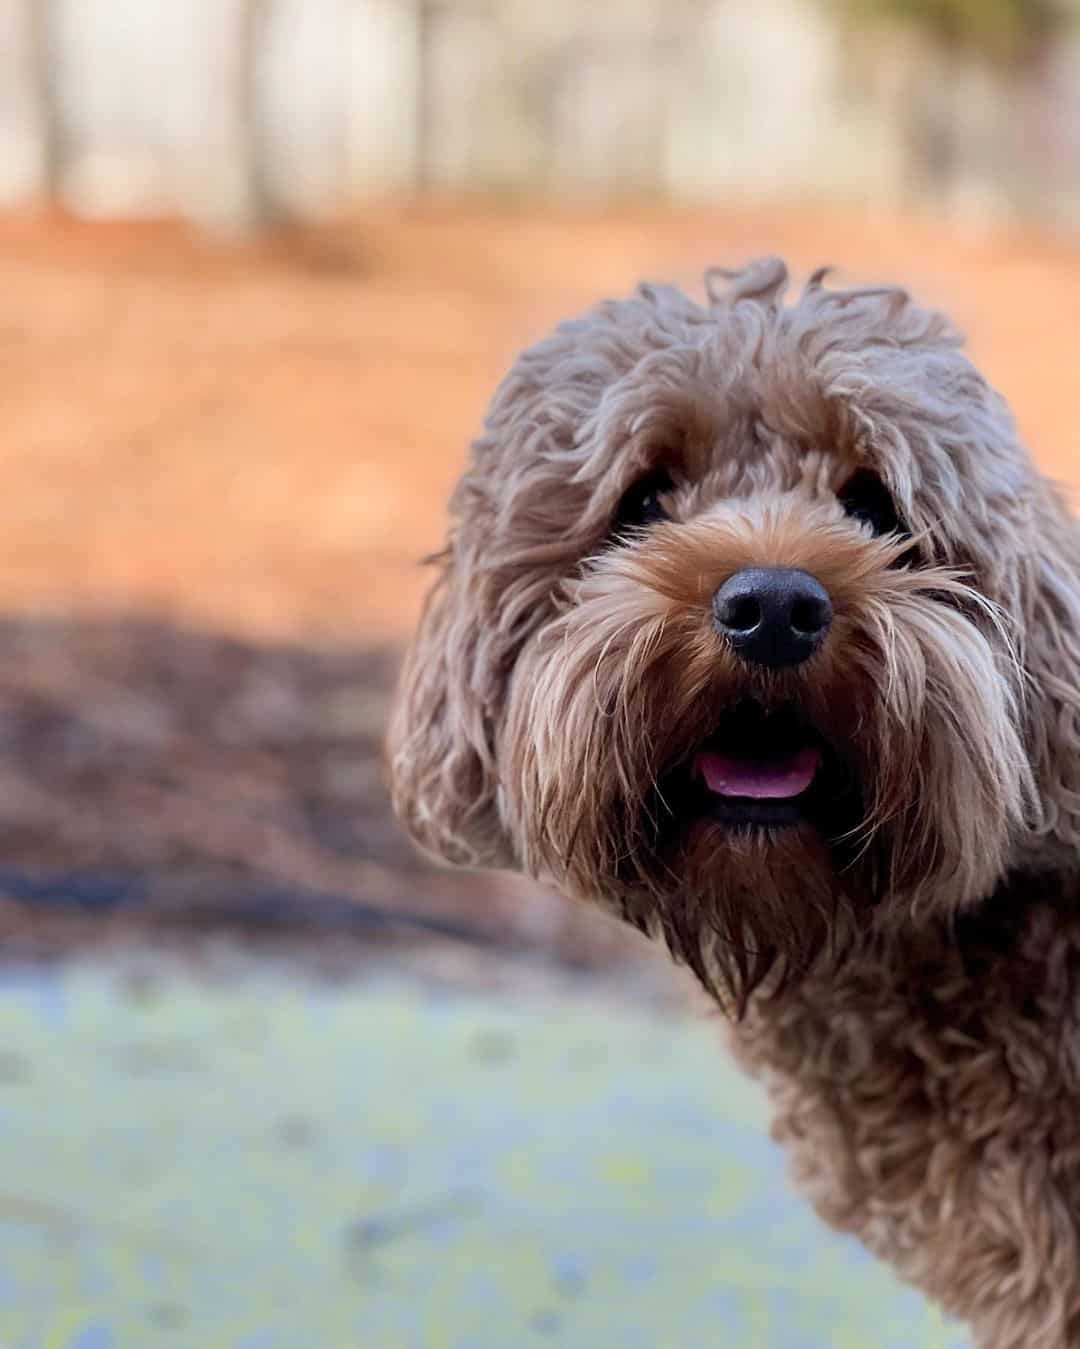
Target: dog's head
x=755 y=623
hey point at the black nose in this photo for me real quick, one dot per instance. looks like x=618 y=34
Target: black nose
x=773 y=616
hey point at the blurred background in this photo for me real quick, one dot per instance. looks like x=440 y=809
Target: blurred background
x=267 y=1078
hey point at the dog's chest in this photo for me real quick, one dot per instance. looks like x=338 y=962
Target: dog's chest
x=931 y=1102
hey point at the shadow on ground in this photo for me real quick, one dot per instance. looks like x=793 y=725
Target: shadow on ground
x=155 y=777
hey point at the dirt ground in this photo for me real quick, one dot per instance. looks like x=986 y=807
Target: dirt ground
x=220 y=465
x=261 y=439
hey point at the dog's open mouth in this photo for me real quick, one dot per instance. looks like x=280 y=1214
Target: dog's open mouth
x=758 y=768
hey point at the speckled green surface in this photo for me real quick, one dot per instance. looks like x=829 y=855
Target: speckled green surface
x=270 y=1161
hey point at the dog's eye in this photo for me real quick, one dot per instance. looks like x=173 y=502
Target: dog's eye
x=866 y=499
x=641 y=504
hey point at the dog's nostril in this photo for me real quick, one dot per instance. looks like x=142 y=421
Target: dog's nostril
x=741 y=614
x=810 y=616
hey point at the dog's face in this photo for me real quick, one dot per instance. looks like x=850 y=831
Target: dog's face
x=742 y=629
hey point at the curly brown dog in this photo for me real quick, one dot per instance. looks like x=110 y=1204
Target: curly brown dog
x=757 y=626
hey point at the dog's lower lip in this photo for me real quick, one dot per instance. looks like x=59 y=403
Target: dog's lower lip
x=746 y=812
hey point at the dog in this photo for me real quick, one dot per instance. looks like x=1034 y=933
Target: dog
x=757 y=626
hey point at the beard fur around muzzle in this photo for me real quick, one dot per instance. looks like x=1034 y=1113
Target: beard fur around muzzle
x=914 y=699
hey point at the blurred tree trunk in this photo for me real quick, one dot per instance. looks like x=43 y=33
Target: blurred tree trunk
x=42 y=20
x=427 y=18
x=933 y=131
x=260 y=206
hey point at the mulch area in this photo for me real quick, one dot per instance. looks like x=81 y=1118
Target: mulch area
x=162 y=784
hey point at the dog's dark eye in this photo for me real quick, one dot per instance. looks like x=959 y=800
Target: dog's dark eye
x=866 y=499
x=641 y=504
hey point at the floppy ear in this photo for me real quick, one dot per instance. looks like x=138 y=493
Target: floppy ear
x=1050 y=596
x=440 y=746
x=524 y=514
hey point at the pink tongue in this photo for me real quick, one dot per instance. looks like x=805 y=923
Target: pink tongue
x=761 y=779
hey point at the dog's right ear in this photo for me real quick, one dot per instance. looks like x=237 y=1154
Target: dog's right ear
x=440 y=751
x=523 y=515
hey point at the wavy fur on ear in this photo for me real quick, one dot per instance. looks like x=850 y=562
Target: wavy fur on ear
x=1049 y=601
x=439 y=746
x=527 y=506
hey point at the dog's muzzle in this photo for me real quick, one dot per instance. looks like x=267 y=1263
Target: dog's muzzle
x=773 y=616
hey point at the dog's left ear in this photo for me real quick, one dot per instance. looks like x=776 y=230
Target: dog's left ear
x=1050 y=617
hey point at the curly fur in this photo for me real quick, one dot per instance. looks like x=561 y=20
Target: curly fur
x=909 y=988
